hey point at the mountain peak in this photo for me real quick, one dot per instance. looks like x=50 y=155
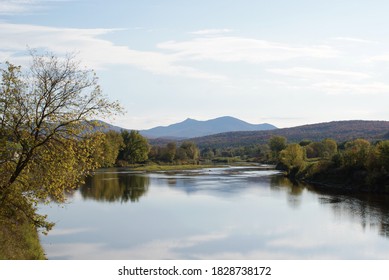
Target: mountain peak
x=190 y=128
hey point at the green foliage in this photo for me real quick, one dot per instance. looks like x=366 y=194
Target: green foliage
x=382 y=155
x=135 y=147
x=111 y=187
x=293 y=158
x=324 y=149
x=186 y=153
x=108 y=152
x=46 y=139
x=330 y=148
x=19 y=239
x=356 y=164
x=191 y=151
x=356 y=153
x=277 y=144
x=305 y=142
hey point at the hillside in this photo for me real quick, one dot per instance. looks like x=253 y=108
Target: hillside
x=193 y=128
x=338 y=130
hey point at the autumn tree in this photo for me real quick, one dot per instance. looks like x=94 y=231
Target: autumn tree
x=170 y=152
x=46 y=137
x=108 y=151
x=188 y=151
x=277 y=144
x=135 y=147
x=383 y=155
x=324 y=149
x=293 y=158
x=356 y=153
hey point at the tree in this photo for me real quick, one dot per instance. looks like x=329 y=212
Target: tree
x=190 y=150
x=314 y=149
x=293 y=158
x=330 y=148
x=135 y=148
x=356 y=153
x=382 y=151
x=108 y=152
x=170 y=151
x=277 y=144
x=47 y=140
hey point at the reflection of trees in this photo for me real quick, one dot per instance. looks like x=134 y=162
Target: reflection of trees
x=282 y=182
x=369 y=210
x=294 y=189
x=107 y=186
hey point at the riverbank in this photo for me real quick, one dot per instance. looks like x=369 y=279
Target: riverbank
x=19 y=240
x=341 y=179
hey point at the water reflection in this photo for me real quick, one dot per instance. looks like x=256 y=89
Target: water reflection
x=294 y=189
x=115 y=186
x=228 y=181
x=225 y=213
x=370 y=210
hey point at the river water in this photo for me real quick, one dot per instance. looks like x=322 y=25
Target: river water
x=220 y=213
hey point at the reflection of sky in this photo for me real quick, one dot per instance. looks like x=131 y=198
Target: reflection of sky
x=213 y=215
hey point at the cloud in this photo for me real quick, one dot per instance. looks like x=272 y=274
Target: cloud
x=211 y=31
x=92 y=49
x=331 y=81
x=314 y=73
x=339 y=87
x=173 y=58
x=8 y=7
x=12 y=7
x=157 y=249
x=239 y=49
x=379 y=58
x=355 y=40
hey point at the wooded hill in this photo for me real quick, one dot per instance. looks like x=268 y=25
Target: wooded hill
x=340 y=131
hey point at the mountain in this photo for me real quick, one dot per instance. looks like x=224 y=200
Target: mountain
x=338 y=130
x=193 y=128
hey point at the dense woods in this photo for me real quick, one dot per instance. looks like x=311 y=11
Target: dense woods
x=356 y=165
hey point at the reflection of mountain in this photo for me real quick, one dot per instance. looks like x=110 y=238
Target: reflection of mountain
x=372 y=211
x=109 y=186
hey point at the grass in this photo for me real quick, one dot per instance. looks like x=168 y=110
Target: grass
x=19 y=240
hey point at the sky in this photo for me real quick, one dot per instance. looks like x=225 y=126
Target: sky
x=282 y=62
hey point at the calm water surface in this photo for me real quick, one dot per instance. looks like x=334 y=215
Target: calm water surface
x=222 y=213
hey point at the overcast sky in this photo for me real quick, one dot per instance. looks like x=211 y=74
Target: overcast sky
x=282 y=62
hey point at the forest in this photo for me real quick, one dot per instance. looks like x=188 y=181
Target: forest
x=351 y=166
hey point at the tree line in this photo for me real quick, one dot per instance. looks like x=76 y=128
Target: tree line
x=357 y=165
x=128 y=148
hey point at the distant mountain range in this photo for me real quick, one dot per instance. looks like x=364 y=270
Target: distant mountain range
x=232 y=132
x=193 y=128
x=340 y=131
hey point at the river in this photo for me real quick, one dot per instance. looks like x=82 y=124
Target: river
x=219 y=213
